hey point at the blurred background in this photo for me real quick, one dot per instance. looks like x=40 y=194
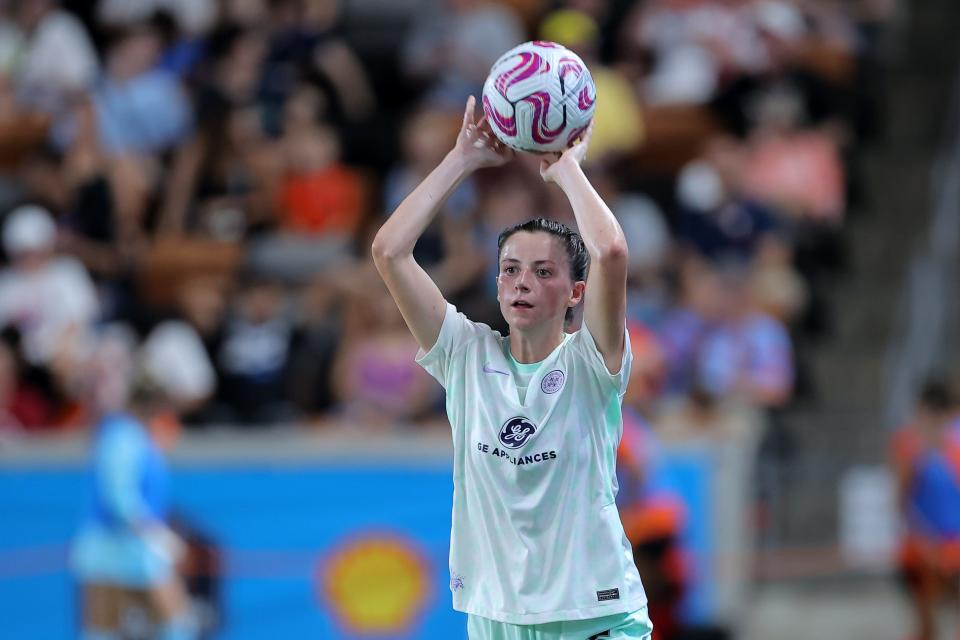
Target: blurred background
x=195 y=183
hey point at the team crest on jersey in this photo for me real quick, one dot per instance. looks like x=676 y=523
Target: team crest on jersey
x=552 y=382
x=516 y=431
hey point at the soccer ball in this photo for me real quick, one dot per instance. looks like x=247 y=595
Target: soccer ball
x=539 y=96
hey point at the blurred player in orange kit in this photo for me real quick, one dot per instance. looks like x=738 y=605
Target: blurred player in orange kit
x=926 y=461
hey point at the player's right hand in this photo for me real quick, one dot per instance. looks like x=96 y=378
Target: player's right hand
x=164 y=541
x=476 y=145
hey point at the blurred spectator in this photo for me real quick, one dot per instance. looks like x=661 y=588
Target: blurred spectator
x=316 y=342
x=229 y=173
x=56 y=60
x=320 y=201
x=685 y=327
x=689 y=45
x=716 y=220
x=47 y=296
x=318 y=195
x=306 y=44
x=105 y=204
x=780 y=33
x=221 y=181
x=926 y=463
x=378 y=383
x=427 y=135
x=140 y=107
x=747 y=353
x=252 y=361
x=453 y=44
x=202 y=303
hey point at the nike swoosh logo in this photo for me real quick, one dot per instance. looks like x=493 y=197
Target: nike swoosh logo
x=488 y=369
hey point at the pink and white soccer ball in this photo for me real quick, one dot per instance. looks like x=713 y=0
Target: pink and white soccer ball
x=539 y=96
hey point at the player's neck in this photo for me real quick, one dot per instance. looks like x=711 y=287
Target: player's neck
x=531 y=346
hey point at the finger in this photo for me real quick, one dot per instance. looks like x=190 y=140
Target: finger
x=589 y=134
x=468 y=112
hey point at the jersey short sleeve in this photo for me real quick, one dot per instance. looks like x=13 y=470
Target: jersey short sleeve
x=456 y=333
x=586 y=346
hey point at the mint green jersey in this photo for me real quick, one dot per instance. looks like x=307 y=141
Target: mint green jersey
x=536 y=534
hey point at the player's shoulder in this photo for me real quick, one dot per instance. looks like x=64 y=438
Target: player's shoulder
x=585 y=354
x=582 y=340
x=468 y=334
x=120 y=431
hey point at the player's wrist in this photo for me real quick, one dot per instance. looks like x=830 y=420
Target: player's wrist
x=568 y=174
x=459 y=162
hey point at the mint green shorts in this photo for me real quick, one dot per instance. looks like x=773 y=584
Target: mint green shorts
x=620 y=626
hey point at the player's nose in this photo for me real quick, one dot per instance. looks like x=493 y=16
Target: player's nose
x=521 y=281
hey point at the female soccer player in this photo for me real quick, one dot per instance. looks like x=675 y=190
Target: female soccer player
x=537 y=548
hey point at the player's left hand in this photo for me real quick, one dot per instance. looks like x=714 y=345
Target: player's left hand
x=477 y=145
x=553 y=164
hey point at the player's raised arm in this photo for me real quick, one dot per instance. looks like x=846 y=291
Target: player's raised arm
x=420 y=301
x=605 y=305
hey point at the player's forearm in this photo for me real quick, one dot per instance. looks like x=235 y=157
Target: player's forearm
x=400 y=232
x=597 y=225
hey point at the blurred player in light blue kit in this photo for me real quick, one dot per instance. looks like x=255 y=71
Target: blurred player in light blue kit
x=537 y=551
x=124 y=553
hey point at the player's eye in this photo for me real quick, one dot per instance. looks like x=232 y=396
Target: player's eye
x=510 y=270
x=543 y=273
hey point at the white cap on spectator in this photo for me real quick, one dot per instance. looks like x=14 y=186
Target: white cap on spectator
x=781 y=19
x=175 y=358
x=29 y=228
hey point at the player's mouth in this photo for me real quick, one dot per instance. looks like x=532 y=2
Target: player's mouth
x=521 y=304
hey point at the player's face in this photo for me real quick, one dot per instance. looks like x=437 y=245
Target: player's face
x=534 y=284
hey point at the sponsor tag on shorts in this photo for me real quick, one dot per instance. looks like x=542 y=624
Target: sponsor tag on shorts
x=608 y=594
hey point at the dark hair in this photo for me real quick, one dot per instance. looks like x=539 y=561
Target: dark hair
x=937 y=396
x=577 y=255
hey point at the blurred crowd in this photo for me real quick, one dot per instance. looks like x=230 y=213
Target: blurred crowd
x=195 y=182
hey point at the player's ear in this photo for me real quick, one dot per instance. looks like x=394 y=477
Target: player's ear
x=576 y=296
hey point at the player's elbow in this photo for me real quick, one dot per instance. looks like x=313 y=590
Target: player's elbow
x=613 y=254
x=383 y=250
